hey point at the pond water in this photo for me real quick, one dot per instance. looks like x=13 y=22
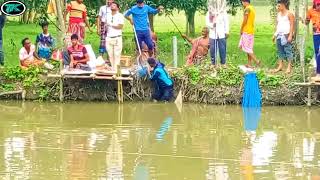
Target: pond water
x=157 y=141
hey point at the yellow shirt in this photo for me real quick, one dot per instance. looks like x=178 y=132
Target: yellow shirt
x=249 y=26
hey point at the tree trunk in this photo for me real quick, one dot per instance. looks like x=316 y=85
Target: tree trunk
x=151 y=20
x=25 y=17
x=60 y=22
x=190 y=27
x=296 y=23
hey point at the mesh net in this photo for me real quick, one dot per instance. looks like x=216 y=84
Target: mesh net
x=217 y=6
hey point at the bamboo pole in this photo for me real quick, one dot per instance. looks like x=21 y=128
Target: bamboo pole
x=60 y=21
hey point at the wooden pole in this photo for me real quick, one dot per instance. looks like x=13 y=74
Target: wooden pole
x=61 y=24
x=296 y=27
x=175 y=51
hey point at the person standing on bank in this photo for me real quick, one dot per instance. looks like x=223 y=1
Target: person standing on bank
x=313 y=16
x=247 y=32
x=218 y=24
x=104 y=12
x=284 y=35
x=115 y=22
x=140 y=21
x=2 y=22
x=78 y=19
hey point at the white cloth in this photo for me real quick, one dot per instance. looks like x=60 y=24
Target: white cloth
x=104 y=12
x=115 y=20
x=218 y=26
x=114 y=49
x=93 y=61
x=283 y=25
x=24 y=55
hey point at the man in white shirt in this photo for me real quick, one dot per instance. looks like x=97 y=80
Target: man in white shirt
x=104 y=12
x=115 y=22
x=218 y=24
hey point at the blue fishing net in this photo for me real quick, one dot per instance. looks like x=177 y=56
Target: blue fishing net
x=252 y=94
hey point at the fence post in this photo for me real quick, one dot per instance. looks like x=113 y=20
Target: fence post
x=175 y=51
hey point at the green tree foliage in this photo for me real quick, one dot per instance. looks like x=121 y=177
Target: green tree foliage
x=190 y=7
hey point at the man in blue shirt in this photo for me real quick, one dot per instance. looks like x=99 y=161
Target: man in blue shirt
x=163 y=83
x=141 y=23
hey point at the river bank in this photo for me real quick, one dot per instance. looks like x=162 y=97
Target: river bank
x=198 y=84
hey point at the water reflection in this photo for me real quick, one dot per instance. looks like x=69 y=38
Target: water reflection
x=156 y=141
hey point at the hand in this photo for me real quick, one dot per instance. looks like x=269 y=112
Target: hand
x=290 y=39
x=227 y=36
x=241 y=32
x=131 y=21
x=160 y=9
x=184 y=36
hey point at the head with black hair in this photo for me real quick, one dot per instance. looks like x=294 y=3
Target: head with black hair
x=115 y=6
x=45 y=26
x=74 y=39
x=140 y=3
x=26 y=43
x=152 y=61
x=245 y=3
x=283 y=5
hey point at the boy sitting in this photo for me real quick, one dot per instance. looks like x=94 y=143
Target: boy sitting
x=44 y=42
x=163 y=83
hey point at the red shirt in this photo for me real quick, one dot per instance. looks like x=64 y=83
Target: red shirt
x=79 y=53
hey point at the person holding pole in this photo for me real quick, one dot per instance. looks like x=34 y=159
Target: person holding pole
x=313 y=15
x=218 y=24
x=114 y=22
x=104 y=12
x=140 y=21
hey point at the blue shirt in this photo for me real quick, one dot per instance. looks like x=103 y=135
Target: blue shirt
x=140 y=16
x=161 y=76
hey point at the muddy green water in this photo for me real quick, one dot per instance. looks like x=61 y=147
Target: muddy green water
x=157 y=141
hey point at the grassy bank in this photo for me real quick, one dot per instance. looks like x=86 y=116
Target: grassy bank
x=264 y=48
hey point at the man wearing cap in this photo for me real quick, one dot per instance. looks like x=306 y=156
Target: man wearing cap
x=140 y=21
x=313 y=15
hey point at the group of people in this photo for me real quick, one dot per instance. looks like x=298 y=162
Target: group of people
x=214 y=36
x=110 y=23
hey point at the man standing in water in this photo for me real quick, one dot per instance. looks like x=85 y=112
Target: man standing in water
x=104 y=12
x=247 y=32
x=284 y=35
x=140 y=21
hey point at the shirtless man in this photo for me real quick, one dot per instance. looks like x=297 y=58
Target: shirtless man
x=200 y=47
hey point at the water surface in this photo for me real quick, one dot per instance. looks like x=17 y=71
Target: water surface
x=157 y=141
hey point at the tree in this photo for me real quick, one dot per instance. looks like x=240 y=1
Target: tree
x=190 y=7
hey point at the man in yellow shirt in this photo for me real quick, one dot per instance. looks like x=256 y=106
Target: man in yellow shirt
x=247 y=32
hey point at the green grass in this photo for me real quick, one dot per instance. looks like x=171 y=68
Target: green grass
x=264 y=48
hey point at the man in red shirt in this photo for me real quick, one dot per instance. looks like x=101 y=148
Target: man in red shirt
x=77 y=54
